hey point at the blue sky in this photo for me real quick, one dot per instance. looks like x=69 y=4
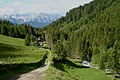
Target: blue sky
x=39 y=6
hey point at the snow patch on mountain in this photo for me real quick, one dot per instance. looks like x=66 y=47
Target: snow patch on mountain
x=35 y=20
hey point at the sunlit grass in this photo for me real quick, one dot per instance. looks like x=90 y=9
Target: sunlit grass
x=74 y=73
x=13 y=53
x=13 y=50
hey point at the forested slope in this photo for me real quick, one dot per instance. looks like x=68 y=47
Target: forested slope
x=89 y=32
x=18 y=31
x=23 y=31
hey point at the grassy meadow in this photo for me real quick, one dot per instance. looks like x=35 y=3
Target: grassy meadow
x=26 y=58
x=77 y=72
x=16 y=58
x=12 y=50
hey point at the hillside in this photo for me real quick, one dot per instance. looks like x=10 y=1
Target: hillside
x=15 y=58
x=12 y=50
x=89 y=32
x=18 y=31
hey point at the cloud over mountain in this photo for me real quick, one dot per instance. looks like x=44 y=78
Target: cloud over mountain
x=37 y=6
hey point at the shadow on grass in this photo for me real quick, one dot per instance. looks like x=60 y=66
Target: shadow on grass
x=70 y=63
x=59 y=64
x=9 y=70
x=7 y=48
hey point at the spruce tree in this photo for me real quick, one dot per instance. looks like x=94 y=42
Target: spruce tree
x=31 y=40
x=27 y=40
x=4 y=30
x=17 y=33
x=0 y=28
x=12 y=32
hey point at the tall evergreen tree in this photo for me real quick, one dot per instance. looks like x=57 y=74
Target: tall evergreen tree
x=4 y=30
x=32 y=40
x=27 y=40
x=17 y=33
x=12 y=32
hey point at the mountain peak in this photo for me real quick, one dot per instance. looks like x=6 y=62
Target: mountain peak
x=35 y=20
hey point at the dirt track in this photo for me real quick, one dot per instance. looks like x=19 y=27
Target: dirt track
x=36 y=74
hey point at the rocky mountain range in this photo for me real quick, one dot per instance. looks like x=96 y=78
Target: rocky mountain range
x=35 y=20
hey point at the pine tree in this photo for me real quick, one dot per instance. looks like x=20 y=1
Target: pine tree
x=27 y=40
x=32 y=40
x=4 y=30
x=17 y=33
x=12 y=32
x=0 y=28
x=116 y=56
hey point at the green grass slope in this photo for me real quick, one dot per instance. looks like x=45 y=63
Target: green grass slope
x=12 y=50
x=73 y=72
x=15 y=58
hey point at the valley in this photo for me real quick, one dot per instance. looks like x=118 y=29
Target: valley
x=84 y=44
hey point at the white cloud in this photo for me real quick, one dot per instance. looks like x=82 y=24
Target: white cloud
x=46 y=6
x=12 y=8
